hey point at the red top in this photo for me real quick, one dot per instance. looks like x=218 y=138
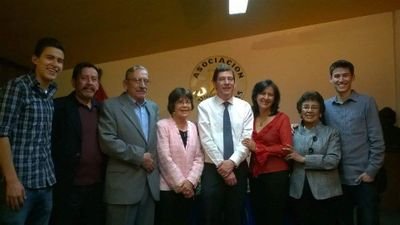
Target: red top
x=270 y=140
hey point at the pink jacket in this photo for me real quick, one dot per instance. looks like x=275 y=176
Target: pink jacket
x=176 y=162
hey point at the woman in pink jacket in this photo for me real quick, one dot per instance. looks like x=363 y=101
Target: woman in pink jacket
x=180 y=160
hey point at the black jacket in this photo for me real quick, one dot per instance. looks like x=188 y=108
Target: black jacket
x=66 y=139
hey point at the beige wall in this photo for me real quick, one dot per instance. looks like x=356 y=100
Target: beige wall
x=396 y=27
x=296 y=59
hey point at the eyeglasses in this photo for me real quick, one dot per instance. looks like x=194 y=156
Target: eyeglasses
x=139 y=80
x=310 y=108
x=183 y=101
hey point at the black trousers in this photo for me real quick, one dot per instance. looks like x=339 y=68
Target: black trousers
x=310 y=211
x=79 y=205
x=173 y=209
x=222 y=204
x=269 y=195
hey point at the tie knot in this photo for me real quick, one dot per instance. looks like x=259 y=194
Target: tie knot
x=226 y=104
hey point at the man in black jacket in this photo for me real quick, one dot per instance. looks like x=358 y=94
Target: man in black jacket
x=79 y=163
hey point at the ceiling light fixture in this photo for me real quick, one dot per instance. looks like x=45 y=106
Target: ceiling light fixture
x=237 y=6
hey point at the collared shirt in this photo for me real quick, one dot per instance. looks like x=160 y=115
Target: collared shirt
x=143 y=116
x=361 y=135
x=26 y=114
x=210 y=113
x=89 y=170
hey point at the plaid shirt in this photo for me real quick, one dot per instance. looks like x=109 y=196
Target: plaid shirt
x=26 y=113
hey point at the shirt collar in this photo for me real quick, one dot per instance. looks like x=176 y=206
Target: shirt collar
x=221 y=101
x=353 y=97
x=136 y=102
x=35 y=84
x=315 y=129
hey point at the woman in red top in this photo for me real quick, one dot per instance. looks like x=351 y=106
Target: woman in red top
x=269 y=169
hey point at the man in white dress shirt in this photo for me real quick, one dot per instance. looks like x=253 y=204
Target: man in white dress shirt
x=224 y=178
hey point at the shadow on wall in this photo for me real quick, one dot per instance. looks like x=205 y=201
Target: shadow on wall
x=391 y=133
x=390 y=204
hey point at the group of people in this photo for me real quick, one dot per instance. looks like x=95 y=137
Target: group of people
x=75 y=160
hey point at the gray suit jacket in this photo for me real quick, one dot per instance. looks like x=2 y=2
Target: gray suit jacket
x=322 y=151
x=122 y=139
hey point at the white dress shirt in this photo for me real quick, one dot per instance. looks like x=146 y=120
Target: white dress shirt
x=210 y=112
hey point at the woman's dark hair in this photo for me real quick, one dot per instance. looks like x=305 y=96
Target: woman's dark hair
x=312 y=96
x=259 y=88
x=175 y=95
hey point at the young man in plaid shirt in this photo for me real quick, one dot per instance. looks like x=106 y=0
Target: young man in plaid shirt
x=26 y=113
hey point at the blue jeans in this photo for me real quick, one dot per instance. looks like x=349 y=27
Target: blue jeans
x=364 y=198
x=35 y=211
